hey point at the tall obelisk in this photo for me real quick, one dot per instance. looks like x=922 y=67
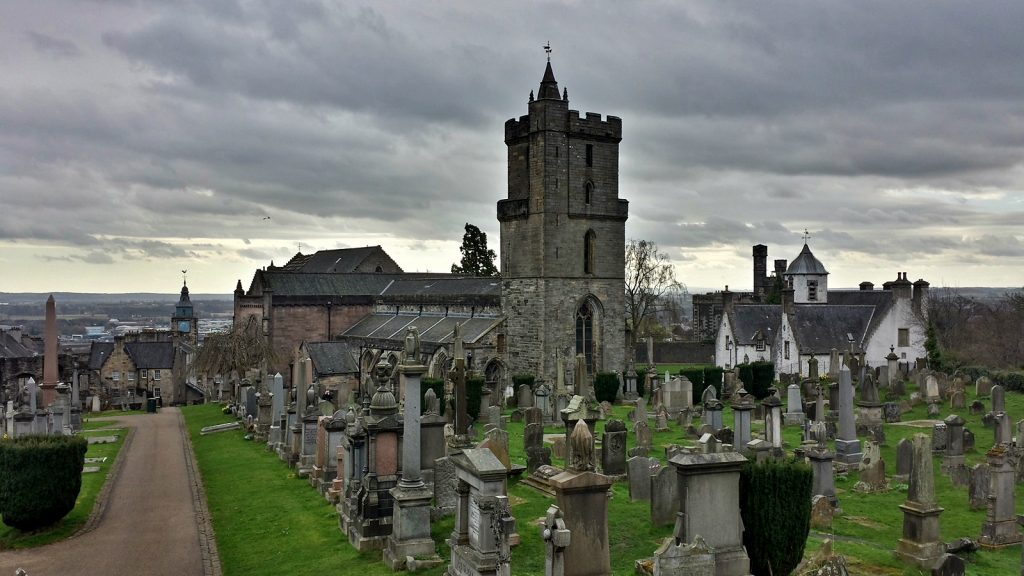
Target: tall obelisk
x=50 y=375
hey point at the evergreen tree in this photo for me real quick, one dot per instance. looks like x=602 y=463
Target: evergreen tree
x=477 y=259
x=931 y=345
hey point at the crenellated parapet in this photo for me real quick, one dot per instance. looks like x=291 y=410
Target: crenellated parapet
x=590 y=125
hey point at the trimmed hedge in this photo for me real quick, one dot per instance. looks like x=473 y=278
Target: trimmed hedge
x=757 y=377
x=701 y=377
x=40 y=477
x=775 y=504
x=474 y=390
x=520 y=379
x=435 y=384
x=1009 y=380
x=606 y=384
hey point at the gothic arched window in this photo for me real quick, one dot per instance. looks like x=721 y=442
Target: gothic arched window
x=588 y=193
x=585 y=333
x=588 y=252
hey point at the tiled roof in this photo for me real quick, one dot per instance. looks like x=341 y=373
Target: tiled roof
x=11 y=347
x=342 y=260
x=748 y=319
x=99 y=353
x=335 y=357
x=316 y=284
x=445 y=286
x=146 y=355
x=820 y=327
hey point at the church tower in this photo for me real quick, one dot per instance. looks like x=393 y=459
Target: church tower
x=563 y=238
x=184 y=324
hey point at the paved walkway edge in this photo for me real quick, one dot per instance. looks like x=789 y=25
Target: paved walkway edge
x=99 y=508
x=207 y=537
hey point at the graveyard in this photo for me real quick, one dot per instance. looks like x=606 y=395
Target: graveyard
x=268 y=519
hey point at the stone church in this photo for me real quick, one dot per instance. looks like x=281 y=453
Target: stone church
x=561 y=290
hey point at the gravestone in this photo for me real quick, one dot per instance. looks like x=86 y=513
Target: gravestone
x=664 y=496
x=872 y=468
x=537 y=454
x=556 y=539
x=904 y=460
x=998 y=399
x=931 y=388
x=643 y=435
x=661 y=420
x=613 y=448
x=479 y=542
x=978 y=486
x=958 y=400
x=794 y=406
x=977 y=407
x=639 y=470
x=892 y=412
x=709 y=507
x=1000 y=527
x=848 y=447
x=920 y=544
x=940 y=436
x=982 y=386
x=949 y=565
x=524 y=398
x=677 y=558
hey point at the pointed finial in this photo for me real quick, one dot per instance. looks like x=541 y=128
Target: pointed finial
x=184 y=277
x=547 y=49
x=565 y=94
x=531 y=95
x=807 y=235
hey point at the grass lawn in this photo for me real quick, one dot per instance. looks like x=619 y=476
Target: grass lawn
x=267 y=521
x=92 y=483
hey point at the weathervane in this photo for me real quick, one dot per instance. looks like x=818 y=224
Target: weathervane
x=184 y=279
x=807 y=235
x=547 y=49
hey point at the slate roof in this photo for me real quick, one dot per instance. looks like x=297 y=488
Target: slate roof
x=11 y=347
x=746 y=320
x=342 y=260
x=334 y=357
x=147 y=355
x=433 y=329
x=882 y=300
x=449 y=290
x=820 y=327
x=99 y=353
x=805 y=263
x=320 y=284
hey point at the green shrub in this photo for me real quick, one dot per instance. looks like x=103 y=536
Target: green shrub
x=40 y=477
x=520 y=379
x=474 y=391
x=606 y=384
x=1009 y=380
x=713 y=376
x=225 y=410
x=695 y=375
x=640 y=379
x=435 y=384
x=757 y=377
x=974 y=372
x=775 y=503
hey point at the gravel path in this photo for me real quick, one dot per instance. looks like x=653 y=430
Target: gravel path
x=154 y=520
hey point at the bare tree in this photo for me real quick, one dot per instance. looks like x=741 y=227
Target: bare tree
x=650 y=280
x=239 y=349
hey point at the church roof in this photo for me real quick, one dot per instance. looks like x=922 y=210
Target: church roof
x=334 y=357
x=184 y=299
x=448 y=290
x=320 y=284
x=818 y=328
x=433 y=329
x=748 y=320
x=548 y=85
x=147 y=355
x=334 y=261
x=806 y=263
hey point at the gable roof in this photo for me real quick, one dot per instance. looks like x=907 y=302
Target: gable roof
x=319 y=284
x=820 y=328
x=11 y=347
x=334 y=357
x=748 y=319
x=98 y=354
x=453 y=290
x=151 y=355
x=341 y=260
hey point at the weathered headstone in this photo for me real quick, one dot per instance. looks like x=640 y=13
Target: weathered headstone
x=848 y=447
x=872 y=468
x=524 y=398
x=664 y=496
x=904 y=460
x=639 y=470
x=537 y=454
x=978 y=486
x=949 y=565
x=921 y=544
x=613 y=448
x=1000 y=527
x=556 y=539
x=998 y=399
x=677 y=558
x=983 y=386
x=642 y=431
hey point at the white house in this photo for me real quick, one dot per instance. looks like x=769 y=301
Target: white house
x=812 y=320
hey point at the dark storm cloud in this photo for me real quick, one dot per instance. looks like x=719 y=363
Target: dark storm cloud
x=872 y=124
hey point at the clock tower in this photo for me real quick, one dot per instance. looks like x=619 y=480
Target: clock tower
x=184 y=324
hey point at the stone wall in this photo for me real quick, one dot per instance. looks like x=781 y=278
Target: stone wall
x=291 y=325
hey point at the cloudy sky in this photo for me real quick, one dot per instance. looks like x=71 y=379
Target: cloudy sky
x=139 y=138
